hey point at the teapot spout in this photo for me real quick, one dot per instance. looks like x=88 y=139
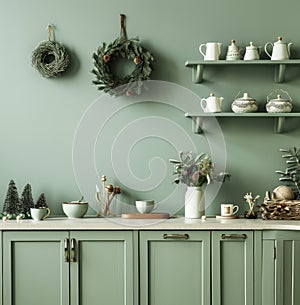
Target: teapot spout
x=221 y=99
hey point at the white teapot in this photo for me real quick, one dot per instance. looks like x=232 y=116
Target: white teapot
x=212 y=103
x=280 y=51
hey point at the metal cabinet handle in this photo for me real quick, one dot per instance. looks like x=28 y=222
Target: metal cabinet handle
x=73 y=250
x=176 y=236
x=233 y=236
x=66 y=249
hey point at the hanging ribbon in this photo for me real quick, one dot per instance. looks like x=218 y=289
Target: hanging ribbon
x=123 y=28
x=49 y=31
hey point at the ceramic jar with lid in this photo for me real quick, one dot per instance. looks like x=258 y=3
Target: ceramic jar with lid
x=279 y=104
x=244 y=104
x=252 y=52
x=233 y=52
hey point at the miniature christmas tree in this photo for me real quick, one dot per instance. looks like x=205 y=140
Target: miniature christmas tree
x=41 y=202
x=26 y=201
x=11 y=204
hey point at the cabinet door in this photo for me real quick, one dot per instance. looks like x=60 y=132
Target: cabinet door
x=281 y=268
x=174 y=268
x=34 y=271
x=232 y=267
x=102 y=268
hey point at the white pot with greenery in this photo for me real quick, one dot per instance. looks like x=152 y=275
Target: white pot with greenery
x=195 y=171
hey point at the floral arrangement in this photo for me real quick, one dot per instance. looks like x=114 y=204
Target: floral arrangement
x=195 y=170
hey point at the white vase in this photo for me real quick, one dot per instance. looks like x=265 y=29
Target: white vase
x=194 y=202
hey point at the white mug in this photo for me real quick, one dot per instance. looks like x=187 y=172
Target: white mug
x=229 y=209
x=39 y=213
x=145 y=206
x=213 y=50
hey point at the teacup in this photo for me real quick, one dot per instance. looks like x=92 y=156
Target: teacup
x=38 y=214
x=229 y=209
x=145 y=206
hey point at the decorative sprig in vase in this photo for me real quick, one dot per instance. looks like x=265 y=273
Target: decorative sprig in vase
x=251 y=213
x=106 y=197
x=194 y=171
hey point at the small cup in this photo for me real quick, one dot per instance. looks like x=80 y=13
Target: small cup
x=145 y=206
x=229 y=209
x=40 y=213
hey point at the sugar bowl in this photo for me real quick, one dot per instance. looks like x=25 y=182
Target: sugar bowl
x=279 y=104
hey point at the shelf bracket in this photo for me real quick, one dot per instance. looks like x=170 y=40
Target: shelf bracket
x=197 y=73
x=280 y=73
x=197 y=122
x=279 y=124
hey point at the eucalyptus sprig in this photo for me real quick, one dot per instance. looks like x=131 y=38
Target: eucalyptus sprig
x=291 y=175
x=196 y=170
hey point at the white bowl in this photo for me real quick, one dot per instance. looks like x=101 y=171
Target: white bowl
x=75 y=210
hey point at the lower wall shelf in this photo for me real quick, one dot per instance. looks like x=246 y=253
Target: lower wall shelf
x=279 y=118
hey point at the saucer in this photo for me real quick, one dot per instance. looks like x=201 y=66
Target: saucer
x=227 y=217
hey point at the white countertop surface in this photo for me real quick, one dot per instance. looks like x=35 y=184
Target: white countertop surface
x=180 y=223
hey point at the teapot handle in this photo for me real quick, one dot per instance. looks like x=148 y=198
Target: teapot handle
x=276 y=90
x=203 y=104
x=200 y=49
x=266 y=48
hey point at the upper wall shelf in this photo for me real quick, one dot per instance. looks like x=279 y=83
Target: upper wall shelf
x=279 y=118
x=280 y=66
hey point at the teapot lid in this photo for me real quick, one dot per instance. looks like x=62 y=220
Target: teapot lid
x=245 y=97
x=279 y=41
x=211 y=94
x=280 y=99
x=251 y=46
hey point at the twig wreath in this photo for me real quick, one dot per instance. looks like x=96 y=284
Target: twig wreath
x=131 y=84
x=50 y=58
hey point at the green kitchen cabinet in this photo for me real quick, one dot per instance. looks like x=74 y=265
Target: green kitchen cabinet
x=103 y=268
x=232 y=267
x=281 y=268
x=175 y=268
x=68 y=268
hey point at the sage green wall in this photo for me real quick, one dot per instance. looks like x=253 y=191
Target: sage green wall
x=38 y=116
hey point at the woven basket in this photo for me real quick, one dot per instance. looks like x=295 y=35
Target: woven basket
x=280 y=209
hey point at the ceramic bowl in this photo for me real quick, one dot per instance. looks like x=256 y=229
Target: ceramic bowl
x=75 y=210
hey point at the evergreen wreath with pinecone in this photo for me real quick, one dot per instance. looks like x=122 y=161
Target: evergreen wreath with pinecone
x=132 y=83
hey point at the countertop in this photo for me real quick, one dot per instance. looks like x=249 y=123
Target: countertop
x=179 y=223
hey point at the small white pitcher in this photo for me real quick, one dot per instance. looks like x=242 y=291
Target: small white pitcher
x=213 y=50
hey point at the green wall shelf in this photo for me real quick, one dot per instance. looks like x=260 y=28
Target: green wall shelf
x=279 y=118
x=280 y=66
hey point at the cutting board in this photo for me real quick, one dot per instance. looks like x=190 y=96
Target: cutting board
x=146 y=216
